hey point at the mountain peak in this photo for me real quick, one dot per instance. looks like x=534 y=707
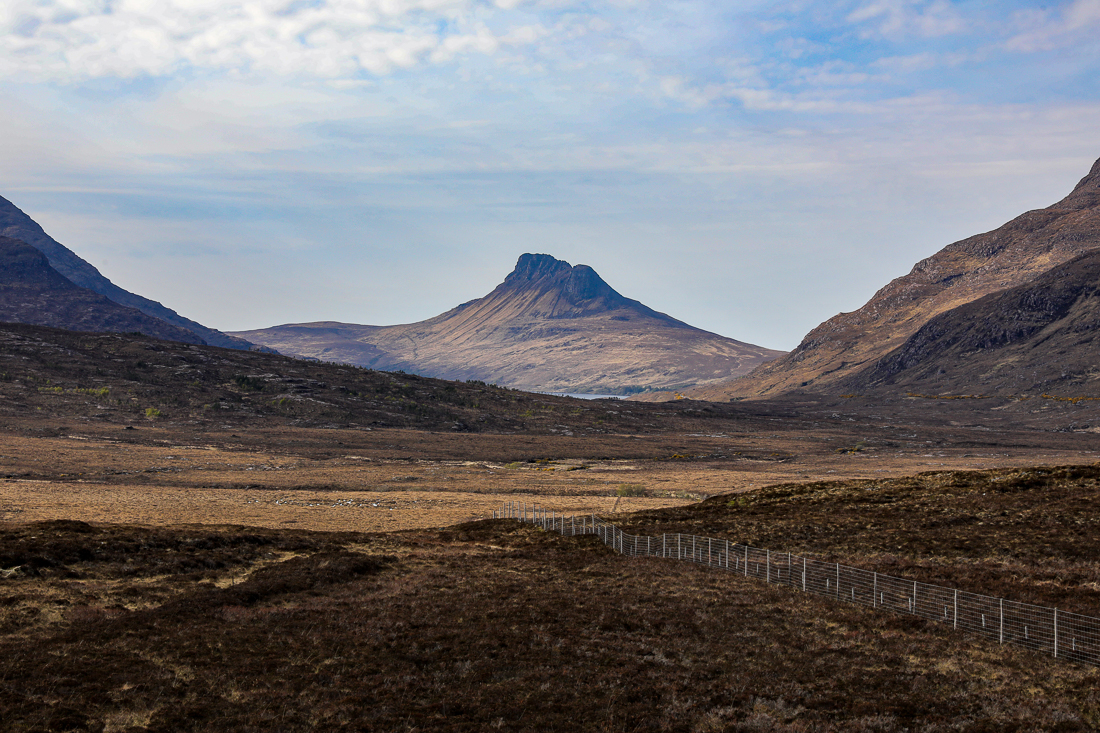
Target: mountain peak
x=534 y=267
x=550 y=326
x=573 y=284
x=1086 y=194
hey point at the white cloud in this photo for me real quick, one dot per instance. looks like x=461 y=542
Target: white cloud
x=73 y=40
x=1044 y=31
x=893 y=18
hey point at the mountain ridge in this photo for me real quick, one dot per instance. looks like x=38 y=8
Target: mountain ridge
x=549 y=326
x=1005 y=343
x=16 y=224
x=1011 y=255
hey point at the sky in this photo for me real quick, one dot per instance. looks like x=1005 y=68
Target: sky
x=751 y=168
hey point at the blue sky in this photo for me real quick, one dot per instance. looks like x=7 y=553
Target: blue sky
x=751 y=168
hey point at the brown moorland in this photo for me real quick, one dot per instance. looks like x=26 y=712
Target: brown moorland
x=134 y=597
x=500 y=626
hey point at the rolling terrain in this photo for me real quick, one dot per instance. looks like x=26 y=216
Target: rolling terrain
x=548 y=327
x=1014 y=255
x=161 y=567
x=494 y=625
x=15 y=224
x=202 y=538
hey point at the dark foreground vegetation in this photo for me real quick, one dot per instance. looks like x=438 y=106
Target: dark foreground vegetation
x=1027 y=534
x=498 y=626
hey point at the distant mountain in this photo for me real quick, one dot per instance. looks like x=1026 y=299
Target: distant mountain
x=1043 y=336
x=33 y=292
x=17 y=225
x=1016 y=254
x=549 y=326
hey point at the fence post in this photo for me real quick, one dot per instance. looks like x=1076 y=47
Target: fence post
x=915 y=598
x=1002 y=641
x=956 y=609
x=727 y=554
x=1056 y=632
x=679 y=554
x=768 y=568
x=746 y=561
x=838 y=581
x=874 y=593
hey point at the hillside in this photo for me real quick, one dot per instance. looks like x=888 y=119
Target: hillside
x=548 y=327
x=17 y=225
x=33 y=292
x=1030 y=339
x=126 y=378
x=1014 y=254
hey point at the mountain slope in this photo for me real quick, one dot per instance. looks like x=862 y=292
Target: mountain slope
x=1033 y=338
x=17 y=225
x=549 y=326
x=33 y=292
x=1012 y=255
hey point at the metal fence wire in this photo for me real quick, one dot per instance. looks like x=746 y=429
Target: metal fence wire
x=1063 y=635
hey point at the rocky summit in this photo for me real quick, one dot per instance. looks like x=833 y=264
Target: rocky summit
x=549 y=326
x=889 y=341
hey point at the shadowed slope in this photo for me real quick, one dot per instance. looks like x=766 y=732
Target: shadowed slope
x=548 y=326
x=1032 y=338
x=33 y=292
x=16 y=224
x=1012 y=255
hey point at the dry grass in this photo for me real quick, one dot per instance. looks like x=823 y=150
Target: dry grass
x=488 y=626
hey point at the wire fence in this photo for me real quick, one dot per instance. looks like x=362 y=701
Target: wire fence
x=1064 y=635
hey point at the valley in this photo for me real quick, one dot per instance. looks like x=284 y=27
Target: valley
x=204 y=538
